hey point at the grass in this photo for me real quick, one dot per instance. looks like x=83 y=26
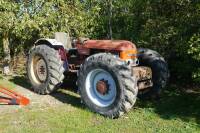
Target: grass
x=175 y=112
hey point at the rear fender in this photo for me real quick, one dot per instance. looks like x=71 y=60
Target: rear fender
x=53 y=43
x=49 y=42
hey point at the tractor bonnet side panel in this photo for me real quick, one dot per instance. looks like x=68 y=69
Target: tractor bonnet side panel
x=110 y=45
x=126 y=50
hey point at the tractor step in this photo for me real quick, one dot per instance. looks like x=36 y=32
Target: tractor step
x=12 y=98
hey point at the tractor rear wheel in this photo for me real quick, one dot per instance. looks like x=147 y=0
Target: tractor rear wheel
x=160 y=72
x=106 y=85
x=44 y=69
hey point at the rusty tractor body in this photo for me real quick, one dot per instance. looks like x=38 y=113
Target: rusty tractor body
x=111 y=73
x=125 y=50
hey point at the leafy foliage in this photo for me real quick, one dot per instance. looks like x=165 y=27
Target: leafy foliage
x=170 y=27
x=8 y=11
x=194 y=49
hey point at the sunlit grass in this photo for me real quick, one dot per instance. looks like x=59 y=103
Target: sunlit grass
x=175 y=112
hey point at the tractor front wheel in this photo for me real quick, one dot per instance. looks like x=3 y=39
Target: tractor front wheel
x=106 y=85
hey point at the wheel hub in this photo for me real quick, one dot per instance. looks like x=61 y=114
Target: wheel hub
x=41 y=70
x=102 y=87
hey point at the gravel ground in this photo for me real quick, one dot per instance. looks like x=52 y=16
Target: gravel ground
x=37 y=102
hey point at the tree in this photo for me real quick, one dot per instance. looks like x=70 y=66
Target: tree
x=170 y=27
x=7 y=20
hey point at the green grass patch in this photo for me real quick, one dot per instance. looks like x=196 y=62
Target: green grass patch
x=176 y=112
x=7 y=84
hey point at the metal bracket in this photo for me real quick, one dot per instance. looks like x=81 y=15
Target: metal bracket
x=12 y=98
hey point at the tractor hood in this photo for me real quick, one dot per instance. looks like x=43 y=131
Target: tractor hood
x=116 y=45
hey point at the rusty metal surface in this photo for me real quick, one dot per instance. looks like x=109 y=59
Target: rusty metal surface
x=118 y=45
x=143 y=75
x=102 y=87
x=144 y=84
x=142 y=72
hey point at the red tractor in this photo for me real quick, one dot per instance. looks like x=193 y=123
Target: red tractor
x=110 y=74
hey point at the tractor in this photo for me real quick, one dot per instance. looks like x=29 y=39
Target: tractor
x=111 y=74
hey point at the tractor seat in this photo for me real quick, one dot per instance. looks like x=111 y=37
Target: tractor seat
x=65 y=39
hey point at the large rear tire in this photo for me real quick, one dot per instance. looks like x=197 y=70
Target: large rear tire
x=106 y=85
x=160 y=72
x=44 y=69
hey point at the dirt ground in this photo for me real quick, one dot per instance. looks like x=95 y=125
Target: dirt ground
x=37 y=102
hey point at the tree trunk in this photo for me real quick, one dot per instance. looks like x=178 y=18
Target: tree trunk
x=7 y=58
x=110 y=19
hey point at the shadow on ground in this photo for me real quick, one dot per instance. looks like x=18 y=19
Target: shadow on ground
x=62 y=95
x=173 y=104
x=68 y=98
x=21 y=81
x=176 y=104
x=69 y=83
